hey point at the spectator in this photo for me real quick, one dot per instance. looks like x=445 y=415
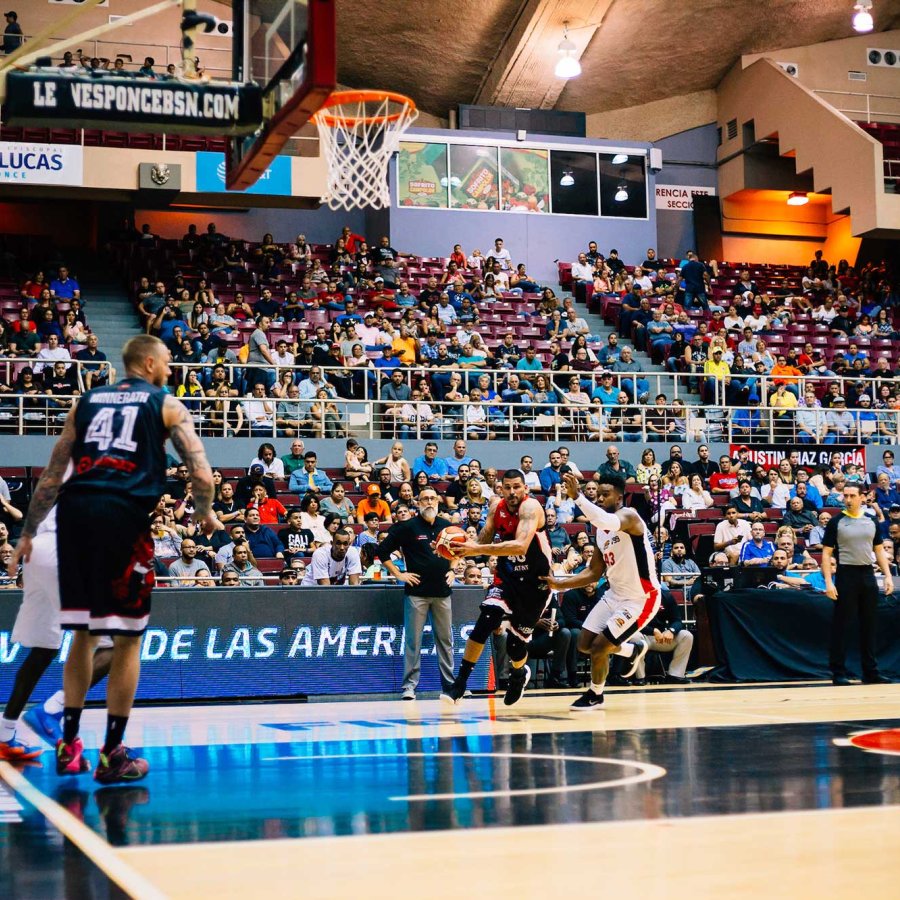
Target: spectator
x=12 y=34
x=64 y=287
x=775 y=493
x=370 y=533
x=582 y=276
x=339 y=504
x=453 y=463
x=749 y=507
x=263 y=542
x=272 y=466
x=666 y=634
x=731 y=534
x=309 y=478
x=311 y=517
x=429 y=463
x=634 y=386
x=395 y=463
x=695 y=496
x=889 y=468
x=695 y=277
x=187 y=566
x=270 y=509
x=243 y=493
x=296 y=539
x=615 y=465
x=725 y=480
x=678 y=571
x=801 y=520
x=576 y=604
x=295 y=459
x=244 y=563
x=373 y=503
x=338 y=563
x=757 y=551
x=551 y=474
x=704 y=466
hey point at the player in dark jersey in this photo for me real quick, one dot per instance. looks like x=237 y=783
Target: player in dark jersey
x=115 y=439
x=518 y=595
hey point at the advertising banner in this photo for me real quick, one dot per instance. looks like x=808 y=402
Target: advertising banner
x=275 y=181
x=474 y=178
x=41 y=163
x=525 y=179
x=680 y=197
x=278 y=642
x=811 y=455
x=422 y=175
x=131 y=104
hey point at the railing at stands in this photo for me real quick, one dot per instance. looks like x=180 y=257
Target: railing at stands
x=868 y=110
x=236 y=415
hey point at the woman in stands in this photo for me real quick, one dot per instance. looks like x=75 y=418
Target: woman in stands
x=220 y=322
x=233 y=261
x=311 y=518
x=864 y=327
x=775 y=493
x=225 y=417
x=357 y=467
x=284 y=382
x=45 y=302
x=695 y=495
x=326 y=414
x=474 y=497
x=32 y=288
x=74 y=332
x=675 y=479
x=648 y=467
x=49 y=325
x=490 y=290
x=190 y=391
x=198 y=315
x=659 y=498
x=732 y=321
x=300 y=250
x=545 y=396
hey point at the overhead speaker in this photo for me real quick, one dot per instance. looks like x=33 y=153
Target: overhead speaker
x=223 y=28
x=884 y=58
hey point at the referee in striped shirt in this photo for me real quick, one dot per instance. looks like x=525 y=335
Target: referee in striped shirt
x=850 y=537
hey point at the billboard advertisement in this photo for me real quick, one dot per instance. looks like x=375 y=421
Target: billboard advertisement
x=422 y=175
x=474 y=177
x=275 y=181
x=277 y=642
x=525 y=179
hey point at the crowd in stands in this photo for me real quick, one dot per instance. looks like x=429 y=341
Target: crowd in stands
x=278 y=519
x=485 y=351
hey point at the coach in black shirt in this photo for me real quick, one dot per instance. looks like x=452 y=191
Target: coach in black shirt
x=427 y=580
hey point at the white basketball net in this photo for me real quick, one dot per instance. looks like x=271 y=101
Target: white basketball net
x=358 y=139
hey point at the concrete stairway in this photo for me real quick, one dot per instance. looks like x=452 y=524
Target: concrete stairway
x=109 y=312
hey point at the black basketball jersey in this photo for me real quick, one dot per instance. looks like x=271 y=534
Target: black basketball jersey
x=521 y=573
x=120 y=441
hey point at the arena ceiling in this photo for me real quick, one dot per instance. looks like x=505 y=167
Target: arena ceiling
x=502 y=52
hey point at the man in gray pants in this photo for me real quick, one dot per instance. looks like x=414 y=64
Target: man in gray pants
x=427 y=580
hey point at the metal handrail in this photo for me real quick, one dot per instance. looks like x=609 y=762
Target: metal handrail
x=868 y=112
x=24 y=414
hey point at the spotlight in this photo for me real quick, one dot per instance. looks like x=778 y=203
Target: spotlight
x=619 y=159
x=567 y=179
x=621 y=194
x=567 y=66
x=862 y=16
x=797 y=198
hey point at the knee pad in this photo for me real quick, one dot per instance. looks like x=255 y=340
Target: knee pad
x=488 y=622
x=516 y=648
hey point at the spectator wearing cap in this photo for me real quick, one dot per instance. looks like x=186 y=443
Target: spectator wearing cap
x=309 y=478
x=841 y=423
x=243 y=492
x=607 y=392
x=12 y=34
x=717 y=378
x=373 y=503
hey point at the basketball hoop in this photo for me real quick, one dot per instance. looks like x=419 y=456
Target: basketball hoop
x=359 y=132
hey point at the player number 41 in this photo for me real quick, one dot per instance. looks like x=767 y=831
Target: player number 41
x=101 y=431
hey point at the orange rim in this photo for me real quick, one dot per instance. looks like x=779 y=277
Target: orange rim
x=341 y=98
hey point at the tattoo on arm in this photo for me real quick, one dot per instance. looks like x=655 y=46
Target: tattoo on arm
x=47 y=489
x=192 y=453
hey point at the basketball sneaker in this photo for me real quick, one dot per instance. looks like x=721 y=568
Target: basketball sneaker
x=638 y=656
x=45 y=725
x=588 y=702
x=118 y=765
x=453 y=694
x=70 y=758
x=15 y=751
x=518 y=678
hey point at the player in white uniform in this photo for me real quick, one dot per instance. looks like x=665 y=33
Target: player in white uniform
x=613 y=626
x=37 y=628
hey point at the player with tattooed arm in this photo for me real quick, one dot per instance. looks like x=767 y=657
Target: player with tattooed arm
x=115 y=440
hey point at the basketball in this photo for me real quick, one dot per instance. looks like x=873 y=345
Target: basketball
x=450 y=536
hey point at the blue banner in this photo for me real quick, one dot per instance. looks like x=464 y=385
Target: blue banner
x=276 y=180
x=279 y=642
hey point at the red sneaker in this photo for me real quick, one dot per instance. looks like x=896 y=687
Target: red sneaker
x=15 y=751
x=118 y=765
x=70 y=758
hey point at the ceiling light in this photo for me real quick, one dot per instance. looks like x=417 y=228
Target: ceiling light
x=567 y=66
x=797 y=198
x=621 y=194
x=567 y=179
x=620 y=158
x=862 y=17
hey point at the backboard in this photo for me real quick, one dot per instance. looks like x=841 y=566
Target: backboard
x=288 y=49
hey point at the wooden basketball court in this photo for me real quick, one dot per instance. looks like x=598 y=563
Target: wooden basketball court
x=782 y=791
